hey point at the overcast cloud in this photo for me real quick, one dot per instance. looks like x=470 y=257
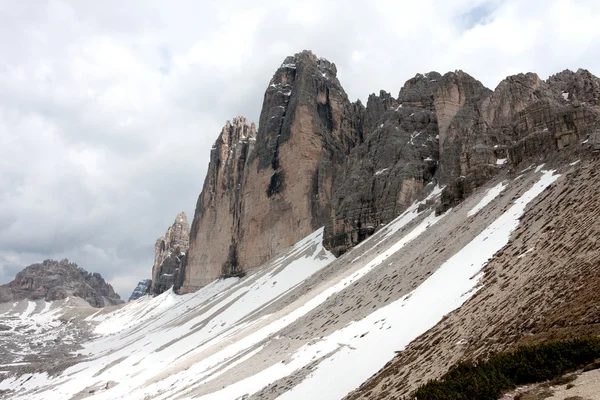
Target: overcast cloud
x=108 y=109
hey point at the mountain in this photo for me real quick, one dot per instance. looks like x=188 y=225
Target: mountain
x=270 y=188
x=169 y=252
x=55 y=280
x=142 y=289
x=353 y=251
x=320 y=160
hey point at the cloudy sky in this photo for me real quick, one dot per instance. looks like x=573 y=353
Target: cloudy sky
x=108 y=109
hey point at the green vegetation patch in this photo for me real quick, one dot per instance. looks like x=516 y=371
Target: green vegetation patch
x=487 y=380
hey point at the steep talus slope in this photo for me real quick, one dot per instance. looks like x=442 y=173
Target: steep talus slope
x=299 y=326
x=55 y=280
x=169 y=252
x=543 y=285
x=37 y=336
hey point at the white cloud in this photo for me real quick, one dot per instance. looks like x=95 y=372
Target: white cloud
x=107 y=113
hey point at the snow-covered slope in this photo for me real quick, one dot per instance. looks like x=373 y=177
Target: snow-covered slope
x=305 y=325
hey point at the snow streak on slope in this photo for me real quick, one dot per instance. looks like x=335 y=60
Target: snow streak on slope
x=372 y=341
x=488 y=198
x=174 y=347
x=151 y=335
x=360 y=349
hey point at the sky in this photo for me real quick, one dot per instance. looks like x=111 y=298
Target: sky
x=108 y=109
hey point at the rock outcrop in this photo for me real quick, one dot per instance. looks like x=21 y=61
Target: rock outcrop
x=54 y=280
x=269 y=189
x=524 y=119
x=400 y=154
x=320 y=160
x=142 y=289
x=169 y=252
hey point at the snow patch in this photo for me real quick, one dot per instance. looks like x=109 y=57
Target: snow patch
x=488 y=198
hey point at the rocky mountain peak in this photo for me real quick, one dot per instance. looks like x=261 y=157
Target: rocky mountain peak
x=169 y=251
x=277 y=189
x=579 y=87
x=54 y=280
x=419 y=91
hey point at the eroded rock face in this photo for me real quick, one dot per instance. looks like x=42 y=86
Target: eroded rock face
x=524 y=119
x=54 y=280
x=320 y=160
x=214 y=235
x=169 y=252
x=400 y=155
x=280 y=188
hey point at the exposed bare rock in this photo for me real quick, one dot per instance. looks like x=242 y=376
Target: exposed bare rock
x=400 y=155
x=54 y=280
x=215 y=229
x=385 y=174
x=320 y=160
x=525 y=119
x=279 y=191
x=169 y=252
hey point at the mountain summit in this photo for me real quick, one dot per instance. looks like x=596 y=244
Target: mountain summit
x=55 y=280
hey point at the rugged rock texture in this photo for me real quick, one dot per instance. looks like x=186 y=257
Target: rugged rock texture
x=400 y=155
x=169 y=252
x=55 y=280
x=319 y=160
x=267 y=196
x=524 y=119
x=142 y=289
x=214 y=236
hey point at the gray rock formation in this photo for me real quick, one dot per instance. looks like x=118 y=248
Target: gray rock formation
x=524 y=119
x=169 y=252
x=54 y=280
x=320 y=160
x=142 y=289
x=271 y=188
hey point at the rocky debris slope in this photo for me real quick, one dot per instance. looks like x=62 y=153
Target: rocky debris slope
x=142 y=289
x=169 y=252
x=543 y=285
x=54 y=280
x=40 y=336
x=297 y=327
x=271 y=188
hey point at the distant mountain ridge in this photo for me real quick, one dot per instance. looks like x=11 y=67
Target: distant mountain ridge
x=55 y=280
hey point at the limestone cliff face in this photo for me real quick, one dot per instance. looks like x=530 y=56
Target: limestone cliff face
x=214 y=234
x=524 y=118
x=400 y=155
x=320 y=160
x=278 y=190
x=54 y=280
x=169 y=252
x=307 y=129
